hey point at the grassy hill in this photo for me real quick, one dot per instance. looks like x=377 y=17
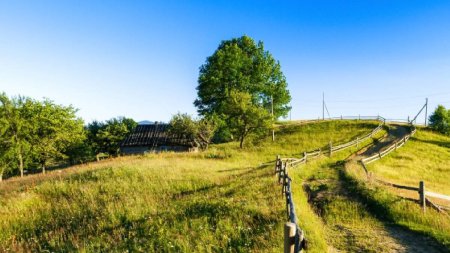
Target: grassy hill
x=219 y=200
x=426 y=156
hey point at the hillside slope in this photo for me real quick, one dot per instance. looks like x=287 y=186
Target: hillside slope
x=219 y=200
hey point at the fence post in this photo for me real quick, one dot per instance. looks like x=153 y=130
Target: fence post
x=359 y=116
x=277 y=161
x=289 y=237
x=341 y=117
x=287 y=205
x=422 y=195
x=280 y=171
x=331 y=147
x=305 y=155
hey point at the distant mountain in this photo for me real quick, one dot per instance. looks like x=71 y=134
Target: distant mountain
x=146 y=122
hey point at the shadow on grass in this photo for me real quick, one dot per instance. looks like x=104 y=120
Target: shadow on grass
x=443 y=144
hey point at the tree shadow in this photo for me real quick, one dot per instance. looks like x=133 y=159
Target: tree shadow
x=443 y=144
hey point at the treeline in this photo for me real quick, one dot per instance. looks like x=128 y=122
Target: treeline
x=35 y=135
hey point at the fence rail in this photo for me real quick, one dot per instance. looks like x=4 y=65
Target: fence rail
x=394 y=146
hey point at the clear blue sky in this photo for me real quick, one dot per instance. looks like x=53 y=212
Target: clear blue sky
x=140 y=59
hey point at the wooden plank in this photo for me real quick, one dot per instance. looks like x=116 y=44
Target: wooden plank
x=404 y=187
x=437 y=195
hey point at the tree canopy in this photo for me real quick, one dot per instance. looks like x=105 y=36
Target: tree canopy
x=241 y=72
x=35 y=132
x=38 y=134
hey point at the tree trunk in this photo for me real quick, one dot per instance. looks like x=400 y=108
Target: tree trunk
x=43 y=168
x=1 y=177
x=241 y=144
x=242 y=137
x=21 y=163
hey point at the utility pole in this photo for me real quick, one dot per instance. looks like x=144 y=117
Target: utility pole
x=323 y=105
x=426 y=110
x=273 y=130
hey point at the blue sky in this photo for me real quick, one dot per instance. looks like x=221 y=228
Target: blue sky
x=140 y=59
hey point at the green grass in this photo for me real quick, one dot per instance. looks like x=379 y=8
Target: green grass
x=215 y=201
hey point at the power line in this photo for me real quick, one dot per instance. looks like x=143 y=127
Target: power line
x=389 y=99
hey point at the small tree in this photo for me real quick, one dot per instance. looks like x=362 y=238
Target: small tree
x=16 y=127
x=55 y=129
x=245 y=117
x=199 y=131
x=440 y=120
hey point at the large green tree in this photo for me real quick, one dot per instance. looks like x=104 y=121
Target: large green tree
x=242 y=69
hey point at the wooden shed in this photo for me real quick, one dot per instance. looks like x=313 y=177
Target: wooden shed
x=155 y=137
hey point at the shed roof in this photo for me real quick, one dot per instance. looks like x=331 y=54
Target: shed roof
x=155 y=135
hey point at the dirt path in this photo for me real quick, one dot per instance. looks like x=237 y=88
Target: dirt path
x=353 y=225
x=396 y=132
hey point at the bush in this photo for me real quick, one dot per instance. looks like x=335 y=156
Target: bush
x=440 y=120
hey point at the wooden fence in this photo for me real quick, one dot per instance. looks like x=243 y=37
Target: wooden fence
x=294 y=239
x=393 y=147
x=423 y=194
